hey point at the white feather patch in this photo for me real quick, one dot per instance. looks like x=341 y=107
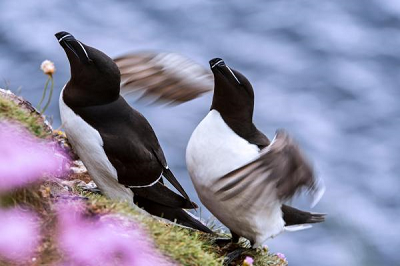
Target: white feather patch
x=88 y=144
x=316 y=197
x=297 y=227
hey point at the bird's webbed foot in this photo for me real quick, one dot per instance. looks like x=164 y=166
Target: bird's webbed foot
x=232 y=256
x=223 y=241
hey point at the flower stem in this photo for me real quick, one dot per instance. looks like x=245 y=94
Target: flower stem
x=44 y=93
x=51 y=94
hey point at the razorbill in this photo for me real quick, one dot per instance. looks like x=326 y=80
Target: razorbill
x=115 y=142
x=173 y=78
x=239 y=175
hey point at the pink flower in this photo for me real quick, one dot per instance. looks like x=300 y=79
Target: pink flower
x=103 y=241
x=248 y=261
x=281 y=256
x=18 y=234
x=24 y=158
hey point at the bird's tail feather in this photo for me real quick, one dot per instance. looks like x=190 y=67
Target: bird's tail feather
x=293 y=216
x=172 y=179
x=315 y=218
x=187 y=219
x=171 y=213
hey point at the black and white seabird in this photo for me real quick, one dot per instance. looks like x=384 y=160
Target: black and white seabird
x=115 y=142
x=239 y=175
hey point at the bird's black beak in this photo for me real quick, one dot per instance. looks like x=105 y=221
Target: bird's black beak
x=219 y=64
x=216 y=62
x=72 y=45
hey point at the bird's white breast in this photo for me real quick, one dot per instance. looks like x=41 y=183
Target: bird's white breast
x=214 y=150
x=88 y=144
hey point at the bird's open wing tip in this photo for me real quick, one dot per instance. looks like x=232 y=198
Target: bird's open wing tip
x=168 y=77
x=318 y=193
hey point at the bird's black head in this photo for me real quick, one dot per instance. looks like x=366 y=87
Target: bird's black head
x=233 y=93
x=95 y=78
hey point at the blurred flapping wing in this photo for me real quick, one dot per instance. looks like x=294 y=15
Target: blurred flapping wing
x=277 y=174
x=167 y=77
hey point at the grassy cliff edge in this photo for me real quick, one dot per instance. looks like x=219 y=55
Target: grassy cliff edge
x=182 y=245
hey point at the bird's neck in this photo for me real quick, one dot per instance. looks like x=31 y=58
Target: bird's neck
x=88 y=95
x=241 y=123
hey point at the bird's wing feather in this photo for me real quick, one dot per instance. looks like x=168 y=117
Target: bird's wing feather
x=277 y=174
x=167 y=77
x=163 y=195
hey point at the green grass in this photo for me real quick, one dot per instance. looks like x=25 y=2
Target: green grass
x=9 y=110
x=188 y=247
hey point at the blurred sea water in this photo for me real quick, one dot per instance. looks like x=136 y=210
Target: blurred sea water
x=327 y=71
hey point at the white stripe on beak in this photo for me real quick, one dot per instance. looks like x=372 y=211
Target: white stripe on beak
x=219 y=61
x=233 y=74
x=65 y=36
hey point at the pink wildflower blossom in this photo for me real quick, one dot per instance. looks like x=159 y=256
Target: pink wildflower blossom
x=24 y=158
x=18 y=234
x=103 y=241
x=281 y=256
x=248 y=261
